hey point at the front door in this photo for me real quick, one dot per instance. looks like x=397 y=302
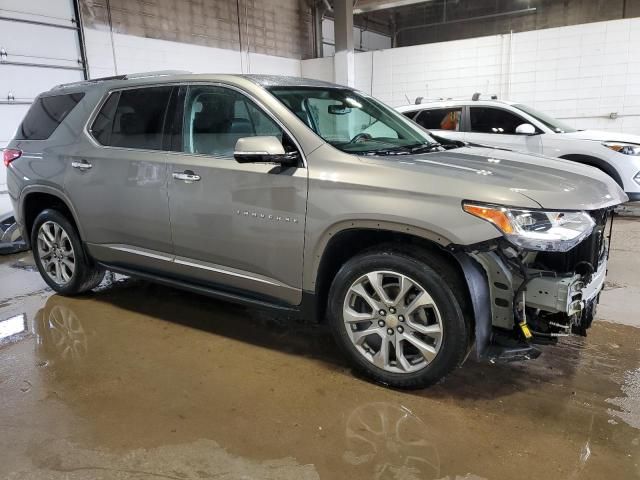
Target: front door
x=237 y=226
x=497 y=127
x=117 y=181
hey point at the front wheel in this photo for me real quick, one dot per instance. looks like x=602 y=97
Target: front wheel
x=60 y=256
x=396 y=317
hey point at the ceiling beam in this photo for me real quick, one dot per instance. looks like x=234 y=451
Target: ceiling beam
x=366 y=6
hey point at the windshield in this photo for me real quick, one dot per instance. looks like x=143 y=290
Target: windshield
x=555 y=125
x=353 y=122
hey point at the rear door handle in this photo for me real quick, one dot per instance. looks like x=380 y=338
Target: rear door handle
x=83 y=165
x=186 y=176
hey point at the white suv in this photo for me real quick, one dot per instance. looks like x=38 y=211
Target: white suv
x=518 y=127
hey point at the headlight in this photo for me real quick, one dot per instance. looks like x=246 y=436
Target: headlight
x=624 y=148
x=536 y=229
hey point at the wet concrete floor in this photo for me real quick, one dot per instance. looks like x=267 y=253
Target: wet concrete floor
x=139 y=381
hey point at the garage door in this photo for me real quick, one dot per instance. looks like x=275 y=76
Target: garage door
x=39 y=48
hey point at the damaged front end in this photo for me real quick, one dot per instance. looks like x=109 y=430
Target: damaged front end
x=536 y=293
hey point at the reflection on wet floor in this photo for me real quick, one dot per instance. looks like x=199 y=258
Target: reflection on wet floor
x=142 y=381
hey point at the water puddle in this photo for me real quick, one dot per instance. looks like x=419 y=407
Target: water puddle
x=630 y=404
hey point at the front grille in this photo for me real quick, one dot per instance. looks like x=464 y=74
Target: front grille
x=587 y=255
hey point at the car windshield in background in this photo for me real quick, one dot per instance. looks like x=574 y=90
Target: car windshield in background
x=555 y=125
x=354 y=123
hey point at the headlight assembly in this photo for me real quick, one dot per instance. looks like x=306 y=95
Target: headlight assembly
x=624 y=148
x=536 y=229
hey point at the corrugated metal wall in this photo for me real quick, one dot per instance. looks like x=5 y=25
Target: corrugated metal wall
x=272 y=27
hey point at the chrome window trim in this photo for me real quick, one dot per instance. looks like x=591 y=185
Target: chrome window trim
x=258 y=103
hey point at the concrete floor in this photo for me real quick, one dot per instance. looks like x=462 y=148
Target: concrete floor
x=144 y=382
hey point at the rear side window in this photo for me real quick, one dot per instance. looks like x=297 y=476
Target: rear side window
x=45 y=114
x=440 y=119
x=133 y=118
x=494 y=120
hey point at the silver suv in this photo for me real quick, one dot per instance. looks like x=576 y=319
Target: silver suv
x=309 y=197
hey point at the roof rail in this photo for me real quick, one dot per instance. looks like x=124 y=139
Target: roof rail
x=128 y=76
x=476 y=96
x=158 y=73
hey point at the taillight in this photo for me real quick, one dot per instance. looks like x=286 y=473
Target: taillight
x=10 y=154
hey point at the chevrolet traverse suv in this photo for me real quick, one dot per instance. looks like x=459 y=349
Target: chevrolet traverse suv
x=309 y=197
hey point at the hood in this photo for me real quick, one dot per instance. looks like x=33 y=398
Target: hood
x=506 y=177
x=602 y=136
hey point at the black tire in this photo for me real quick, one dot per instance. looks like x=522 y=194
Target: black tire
x=86 y=276
x=439 y=279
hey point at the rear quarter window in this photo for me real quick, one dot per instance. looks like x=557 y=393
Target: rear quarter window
x=45 y=114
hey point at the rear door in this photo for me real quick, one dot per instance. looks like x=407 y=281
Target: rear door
x=497 y=127
x=117 y=180
x=445 y=122
x=236 y=226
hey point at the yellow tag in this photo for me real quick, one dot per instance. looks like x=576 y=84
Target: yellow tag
x=525 y=330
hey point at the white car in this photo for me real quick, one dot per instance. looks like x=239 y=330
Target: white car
x=518 y=127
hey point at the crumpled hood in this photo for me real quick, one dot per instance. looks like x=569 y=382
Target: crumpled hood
x=602 y=136
x=501 y=176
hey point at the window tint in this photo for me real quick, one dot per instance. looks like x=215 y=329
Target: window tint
x=440 y=119
x=494 y=120
x=103 y=123
x=216 y=117
x=133 y=118
x=45 y=114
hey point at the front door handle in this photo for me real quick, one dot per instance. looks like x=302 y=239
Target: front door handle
x=83 y=165
x=187 y=176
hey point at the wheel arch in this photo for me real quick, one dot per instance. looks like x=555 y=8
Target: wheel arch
x=34 y=200
x=597 y=163
x=347 y=239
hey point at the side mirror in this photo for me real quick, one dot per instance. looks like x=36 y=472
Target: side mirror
x=263 y=150
x=526 y=129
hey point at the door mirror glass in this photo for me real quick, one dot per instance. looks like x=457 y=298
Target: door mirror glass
x=263 y=149
x=525 y=129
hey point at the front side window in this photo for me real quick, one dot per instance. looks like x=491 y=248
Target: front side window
x=440 y=119
x=216 y=117
x=494 y=120
x=554 y=124
x=352 y=122
x=133 y=118
x=45 y=114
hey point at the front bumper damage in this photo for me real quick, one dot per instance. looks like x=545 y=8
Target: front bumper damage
x=523 y=299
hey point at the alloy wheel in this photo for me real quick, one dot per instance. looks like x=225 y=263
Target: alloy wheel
x=393 y=321
x=56 y=253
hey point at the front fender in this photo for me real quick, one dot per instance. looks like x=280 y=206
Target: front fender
x=311 y=274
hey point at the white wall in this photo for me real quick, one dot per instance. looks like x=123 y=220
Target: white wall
x=140 y=54
x=318 y=68
x=580 y=73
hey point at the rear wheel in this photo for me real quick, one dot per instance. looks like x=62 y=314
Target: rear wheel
x=397 y=318
x=60 y=256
